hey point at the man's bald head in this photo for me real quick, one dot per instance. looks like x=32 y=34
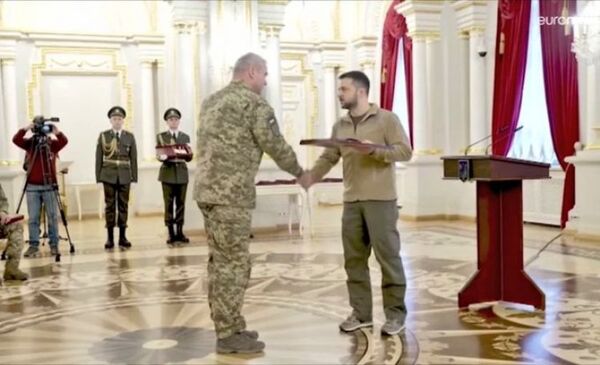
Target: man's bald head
x=251 y=69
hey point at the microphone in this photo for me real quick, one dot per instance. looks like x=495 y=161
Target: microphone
x=501 y=130
x=502 y=139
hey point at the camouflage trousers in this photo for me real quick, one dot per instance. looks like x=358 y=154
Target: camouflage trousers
x=14 y=234
x=228 y=231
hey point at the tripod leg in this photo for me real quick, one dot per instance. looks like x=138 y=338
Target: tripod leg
x=63 y=217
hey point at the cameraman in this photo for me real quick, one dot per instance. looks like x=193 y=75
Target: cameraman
x=41 y=179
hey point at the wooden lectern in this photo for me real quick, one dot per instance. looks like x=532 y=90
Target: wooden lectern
x=500 y=274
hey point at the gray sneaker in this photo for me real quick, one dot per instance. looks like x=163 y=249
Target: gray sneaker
x=54 y=250
x=392 y=327
x=32 y=251
x=352 y=323
x=239 y=343
x=252 y=334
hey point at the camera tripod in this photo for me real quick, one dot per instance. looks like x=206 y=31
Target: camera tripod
x=41 y=150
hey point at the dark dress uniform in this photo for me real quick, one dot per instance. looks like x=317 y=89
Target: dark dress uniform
x=174 y=177
x=116 y=168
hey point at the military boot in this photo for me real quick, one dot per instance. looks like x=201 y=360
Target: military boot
x=180 y=236
x=12 y=271
x=239 y=343
x=110 y=239
x=172 y=239
x=123 y=241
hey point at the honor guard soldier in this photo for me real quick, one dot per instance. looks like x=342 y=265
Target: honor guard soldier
x=116 y=169
x=173 y=174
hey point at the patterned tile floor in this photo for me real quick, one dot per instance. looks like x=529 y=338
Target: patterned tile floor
x=148 y=305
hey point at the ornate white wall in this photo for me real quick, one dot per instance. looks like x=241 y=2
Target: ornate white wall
x=150 y=55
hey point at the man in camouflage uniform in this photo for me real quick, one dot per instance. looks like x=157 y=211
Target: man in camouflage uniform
x=14 y=233
x=116 y=169
x=236 y=127
x=174 y=177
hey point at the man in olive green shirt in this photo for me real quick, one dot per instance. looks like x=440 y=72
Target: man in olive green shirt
x=370 y=210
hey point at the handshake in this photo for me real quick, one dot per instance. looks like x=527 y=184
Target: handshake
x=306 y=180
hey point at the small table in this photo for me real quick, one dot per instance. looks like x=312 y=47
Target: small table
x=296 y=196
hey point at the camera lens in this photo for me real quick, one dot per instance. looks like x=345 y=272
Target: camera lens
x=46 y=128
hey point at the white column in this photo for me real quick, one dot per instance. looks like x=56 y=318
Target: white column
x=9 y=93
x=148 y=117
x=420 y=105
x=273 y=56
x=435 y=116
x=329 y=99
x=478 y=125
x=365 y=51
x=593 y=107
x=184 y=80
x=368 y=68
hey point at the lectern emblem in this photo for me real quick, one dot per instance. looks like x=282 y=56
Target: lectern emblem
x=464 y=170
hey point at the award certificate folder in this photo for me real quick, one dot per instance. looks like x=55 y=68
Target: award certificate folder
x=347 y=142
x=175 y=151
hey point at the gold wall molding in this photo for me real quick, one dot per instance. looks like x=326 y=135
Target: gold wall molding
x=112 y=67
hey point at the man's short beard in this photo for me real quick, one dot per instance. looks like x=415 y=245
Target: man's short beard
x=349 y=105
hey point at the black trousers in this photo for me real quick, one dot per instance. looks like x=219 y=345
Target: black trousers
x=174 y=198
x=116 y=196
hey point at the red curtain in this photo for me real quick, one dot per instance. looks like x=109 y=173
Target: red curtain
x=512 y=38
x=562 y=97
x=394 y=29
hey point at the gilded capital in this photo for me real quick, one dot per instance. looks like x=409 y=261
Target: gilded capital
x=185 y=27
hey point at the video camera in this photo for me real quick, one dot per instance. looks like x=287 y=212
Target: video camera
x=41 y=125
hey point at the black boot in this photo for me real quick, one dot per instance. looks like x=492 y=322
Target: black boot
x=123 y=242
x=110 y=240
x=172 y=239
x=180 y=236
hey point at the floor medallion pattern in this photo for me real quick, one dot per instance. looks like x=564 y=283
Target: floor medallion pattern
x=148 y=306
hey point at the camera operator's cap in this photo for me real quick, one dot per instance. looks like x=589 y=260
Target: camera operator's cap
x=117 y=111
x=172 y=112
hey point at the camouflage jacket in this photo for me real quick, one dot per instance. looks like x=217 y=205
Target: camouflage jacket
x=3 y=201
x=236 y=127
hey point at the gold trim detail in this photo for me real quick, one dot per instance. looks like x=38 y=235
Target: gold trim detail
x=428 y=152
x=8 y=163
x=271 y=30
x=37 y=69
x=424 y=35
x=273 y=2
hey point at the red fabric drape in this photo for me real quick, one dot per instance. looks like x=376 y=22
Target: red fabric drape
x=562 y=97
x=394 y=29
x=512 y=38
